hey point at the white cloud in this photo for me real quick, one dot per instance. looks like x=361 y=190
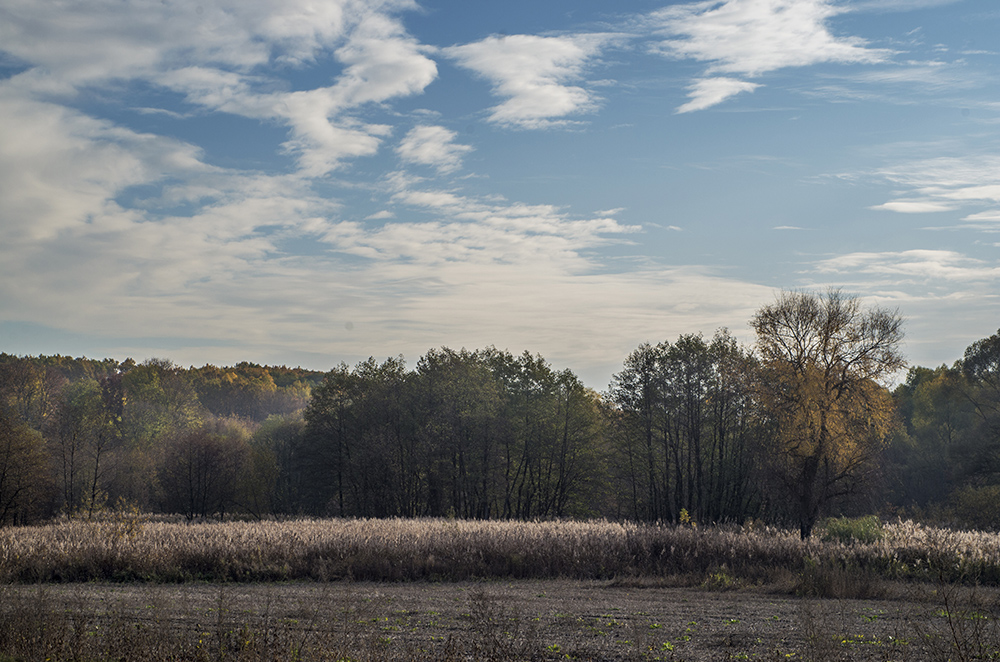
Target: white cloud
x=754 y=37
x=381 y=61
x=708 y=92
x=914 y=206
x=320 y=141
x=915 y=266
x=946 y=184
x=476 y=231
x=987 y=221
x=60 y=168
x=107 y=40
x=533 y=73
x=433 y=146
x=215 y=53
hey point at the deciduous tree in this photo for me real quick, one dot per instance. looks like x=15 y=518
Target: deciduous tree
x=23 y=476
x=824 y=359
x=205 y=469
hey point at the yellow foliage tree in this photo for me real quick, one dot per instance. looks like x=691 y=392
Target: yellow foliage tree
x=824 y=359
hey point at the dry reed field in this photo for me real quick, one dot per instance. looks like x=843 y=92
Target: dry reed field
x=126 y=546
x=125 y=586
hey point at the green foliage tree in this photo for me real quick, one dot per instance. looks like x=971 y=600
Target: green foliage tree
x=685 y=425
x=205 y=470
x=981 y=366
x=280 y=439
x=328 y=440
x=823 y=360
x=459 y=400
x=78 y=421
x=30 y=389
x=159 y=402
x=577 y=464
x=23 y=470
x=471 y=434
x=925 y=457
x=638 y=392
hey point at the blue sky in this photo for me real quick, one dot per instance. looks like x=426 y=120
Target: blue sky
x=306 y=182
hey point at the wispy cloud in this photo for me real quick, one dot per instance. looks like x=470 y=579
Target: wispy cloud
x=947 y=299
x=986 y=221
x=535 y=75
x=380 y=62
x=898 y=5
x=915 y=266
x=433 y=146
x=914 y=206
x=752 y=38
x=709 y=92
x=947 y=184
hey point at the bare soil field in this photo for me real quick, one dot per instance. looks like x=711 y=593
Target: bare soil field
x=515 y=620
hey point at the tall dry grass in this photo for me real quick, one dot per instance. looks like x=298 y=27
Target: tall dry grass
x=127 y=547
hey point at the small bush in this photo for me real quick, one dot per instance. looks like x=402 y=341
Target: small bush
x=851 y=530
x=720 y=580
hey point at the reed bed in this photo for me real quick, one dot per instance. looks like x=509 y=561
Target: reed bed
x=130 y=548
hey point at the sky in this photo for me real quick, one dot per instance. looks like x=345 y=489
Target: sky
x=310 y=182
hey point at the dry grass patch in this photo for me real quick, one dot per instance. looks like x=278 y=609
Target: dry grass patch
x=723 y=558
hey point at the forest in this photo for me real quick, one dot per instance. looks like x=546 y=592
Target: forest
x=691 y=430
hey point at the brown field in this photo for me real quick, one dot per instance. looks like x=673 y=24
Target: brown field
x=502 y=620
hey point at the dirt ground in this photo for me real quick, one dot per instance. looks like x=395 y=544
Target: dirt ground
x=586 y=620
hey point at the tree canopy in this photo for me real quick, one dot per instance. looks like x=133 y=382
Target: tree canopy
x=824 y=360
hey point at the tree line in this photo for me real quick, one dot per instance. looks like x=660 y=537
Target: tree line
x=79 y=434
x=799 y=425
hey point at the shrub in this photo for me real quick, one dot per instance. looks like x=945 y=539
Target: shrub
x=847 y=530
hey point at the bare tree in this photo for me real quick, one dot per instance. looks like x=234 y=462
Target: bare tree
x=823 y=361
